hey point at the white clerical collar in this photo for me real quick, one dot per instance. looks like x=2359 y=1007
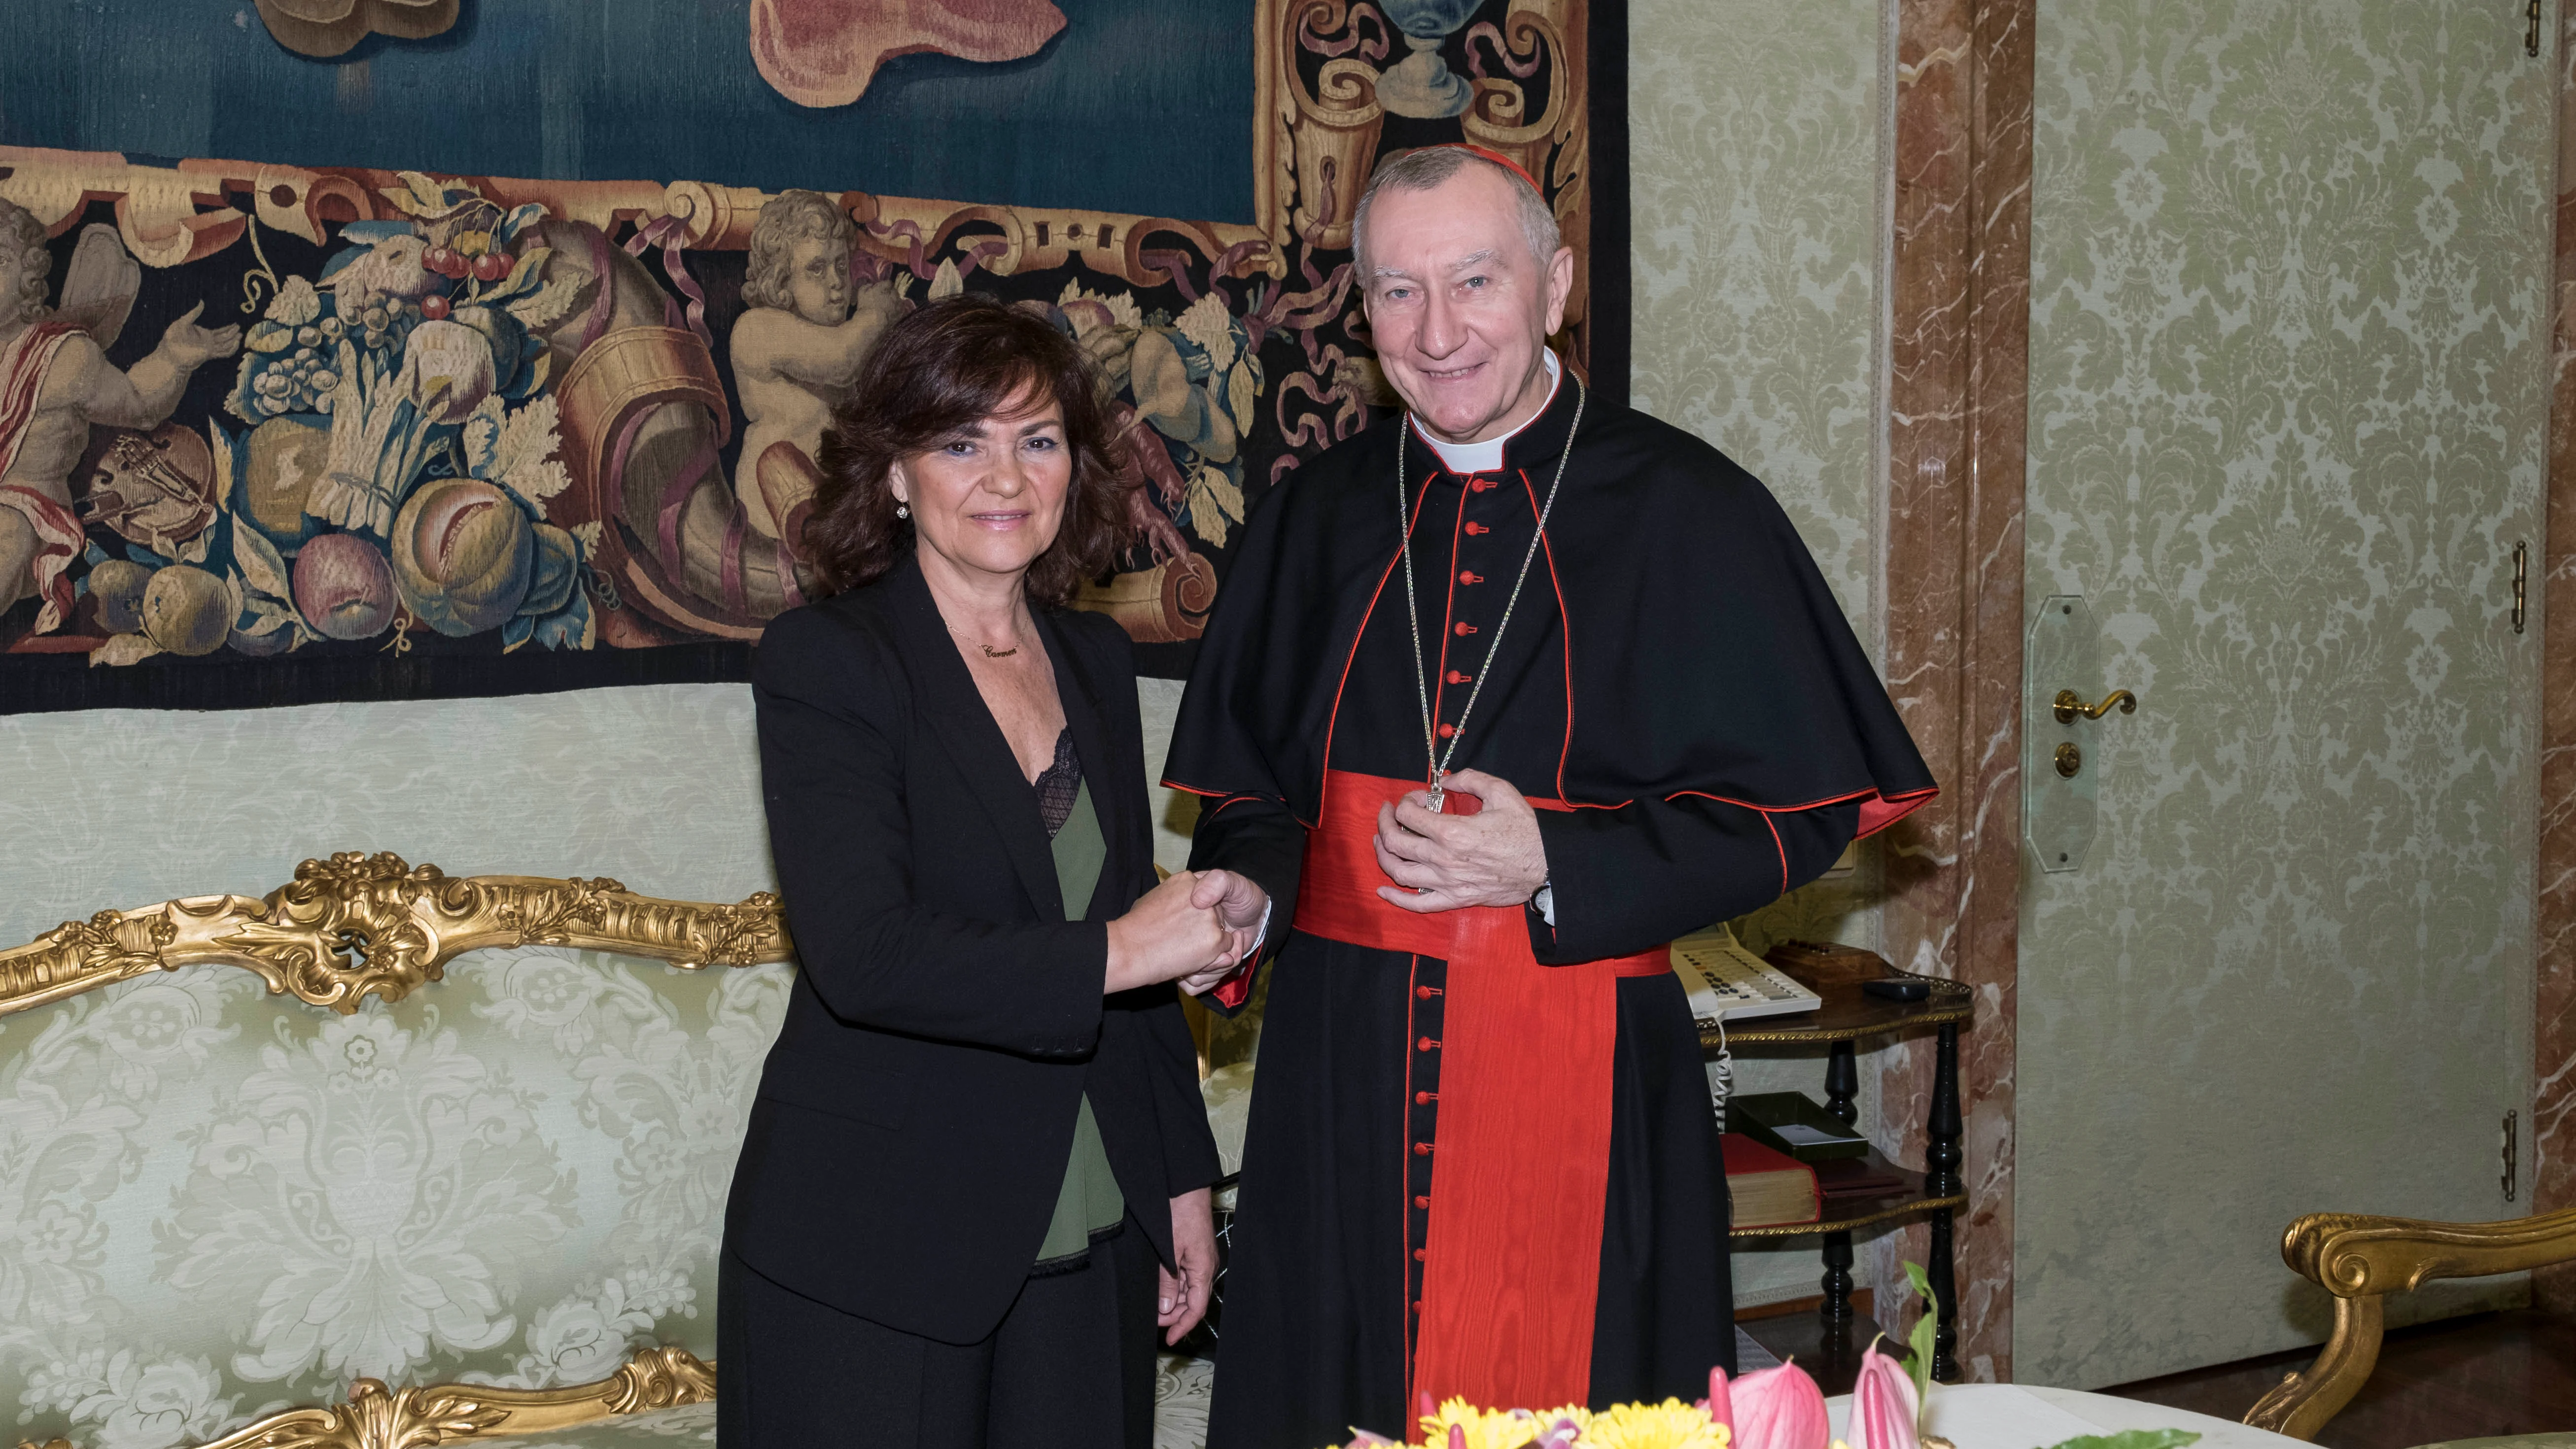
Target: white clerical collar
x=1487 y=456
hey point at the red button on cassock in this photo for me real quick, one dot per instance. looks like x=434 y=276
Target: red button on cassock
x=1447 y=730
x=1470 y=576
x=1428 y=1044
x=1482 y=485
x=1476 y=528
x=1466 y=629
x=1422 y=1149
x=1423 y=1203
x=1456 y=676
x=1425 y=993
x=1425 y=1099
x=1421 y=1255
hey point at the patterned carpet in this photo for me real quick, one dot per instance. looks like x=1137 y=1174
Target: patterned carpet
x=1181 y=1402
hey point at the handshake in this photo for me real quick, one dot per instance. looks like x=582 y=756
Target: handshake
x=1194 y=928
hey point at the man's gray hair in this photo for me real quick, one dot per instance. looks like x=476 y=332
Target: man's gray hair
x=1429 y=166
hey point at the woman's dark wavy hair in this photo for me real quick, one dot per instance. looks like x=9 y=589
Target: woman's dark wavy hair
x=933 y=374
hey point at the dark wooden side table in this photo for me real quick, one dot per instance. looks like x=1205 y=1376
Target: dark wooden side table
x=1848 y=1017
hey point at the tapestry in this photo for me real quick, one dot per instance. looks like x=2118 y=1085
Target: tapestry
x=276 y=432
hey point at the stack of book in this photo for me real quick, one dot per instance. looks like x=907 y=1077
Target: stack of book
x=1789 y=1160
x=1767 y=1187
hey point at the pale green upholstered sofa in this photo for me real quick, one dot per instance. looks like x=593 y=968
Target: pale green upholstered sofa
x=383 y=1152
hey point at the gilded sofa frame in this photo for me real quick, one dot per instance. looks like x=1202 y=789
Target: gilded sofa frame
x=358 y=925
x=2360 y=1260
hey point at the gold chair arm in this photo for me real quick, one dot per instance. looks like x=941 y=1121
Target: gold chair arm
x=2360 y=1259
x=2355 y=1256
x=2301 y=1404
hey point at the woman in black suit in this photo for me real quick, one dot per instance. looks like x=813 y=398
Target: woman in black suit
x=976 y=1174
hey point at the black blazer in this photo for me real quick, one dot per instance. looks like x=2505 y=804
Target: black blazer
x=915 y=1118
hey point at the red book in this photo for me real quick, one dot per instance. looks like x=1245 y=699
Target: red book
x=1766 y=1186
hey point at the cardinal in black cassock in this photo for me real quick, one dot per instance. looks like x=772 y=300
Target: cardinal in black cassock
x=1481 y=1159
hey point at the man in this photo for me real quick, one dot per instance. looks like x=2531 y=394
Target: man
x=1481 y=1160
x=54 y=383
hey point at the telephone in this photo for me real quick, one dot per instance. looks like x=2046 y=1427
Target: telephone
x=1725 y=982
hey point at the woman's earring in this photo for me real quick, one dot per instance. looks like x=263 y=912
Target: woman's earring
x=903 y=510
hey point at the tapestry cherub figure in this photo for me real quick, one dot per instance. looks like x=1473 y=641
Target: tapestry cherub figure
x=796 y=349
x=55 y=383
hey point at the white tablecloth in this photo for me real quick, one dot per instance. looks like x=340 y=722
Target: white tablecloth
x=2017 y=1416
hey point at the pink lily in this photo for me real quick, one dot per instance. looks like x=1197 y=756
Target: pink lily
x=1719 y=1405
x=1774 y=1408
x=1884 y=1406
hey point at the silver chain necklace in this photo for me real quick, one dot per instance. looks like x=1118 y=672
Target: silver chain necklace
x=1439 y=759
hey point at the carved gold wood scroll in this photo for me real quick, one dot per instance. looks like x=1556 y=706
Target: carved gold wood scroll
x=377 y=1417
x=359 y=924
x=2361 y=1259
x=169 y=216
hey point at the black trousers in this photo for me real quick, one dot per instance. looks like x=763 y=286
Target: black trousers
x=1071 y=1364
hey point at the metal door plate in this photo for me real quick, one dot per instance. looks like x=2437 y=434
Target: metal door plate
x=2057 y=810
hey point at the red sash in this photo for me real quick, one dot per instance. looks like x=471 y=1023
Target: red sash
x=1512 y=1258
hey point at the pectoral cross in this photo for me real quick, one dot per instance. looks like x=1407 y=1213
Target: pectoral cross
x=1437 y=794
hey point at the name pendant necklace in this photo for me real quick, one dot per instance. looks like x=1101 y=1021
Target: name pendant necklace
x=1438 y=758
x=989 y=651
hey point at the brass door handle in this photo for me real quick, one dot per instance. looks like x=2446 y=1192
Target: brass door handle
x=2069 y=704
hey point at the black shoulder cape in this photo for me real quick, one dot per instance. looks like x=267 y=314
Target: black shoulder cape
x=1706 y=655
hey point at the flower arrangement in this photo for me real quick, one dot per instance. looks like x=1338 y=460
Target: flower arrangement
x=1773 y=1408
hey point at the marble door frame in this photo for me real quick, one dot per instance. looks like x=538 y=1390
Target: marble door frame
x=2553 y=1148
x=1958 y=405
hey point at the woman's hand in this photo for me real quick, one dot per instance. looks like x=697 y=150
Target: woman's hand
x=1163 y=937
x=1241 y=907
x=1183 y=1300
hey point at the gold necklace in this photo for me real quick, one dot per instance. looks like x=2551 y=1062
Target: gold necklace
x=989 y=651
x=1439 y=759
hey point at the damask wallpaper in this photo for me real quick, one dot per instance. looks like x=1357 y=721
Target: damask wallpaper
x=1756 y=159
x=658 y=787
x=2287 y=403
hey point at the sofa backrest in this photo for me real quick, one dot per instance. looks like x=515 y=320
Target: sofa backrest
x=218 y=1200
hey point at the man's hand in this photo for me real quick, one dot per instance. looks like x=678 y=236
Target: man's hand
x=1442 y=862
x=1183 y=1297
x=189 y=346
x=1240 y=907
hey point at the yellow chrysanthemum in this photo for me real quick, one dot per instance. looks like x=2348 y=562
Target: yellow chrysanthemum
x=1671 y=1424
x=1485 y=1428
x=1581 y=1416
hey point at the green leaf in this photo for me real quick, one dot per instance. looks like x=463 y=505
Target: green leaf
x=1918 y=1364
x=522 y=279
x=2134 y=1439
x=261 y=565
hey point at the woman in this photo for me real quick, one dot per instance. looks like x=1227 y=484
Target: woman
x=980 y=1128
